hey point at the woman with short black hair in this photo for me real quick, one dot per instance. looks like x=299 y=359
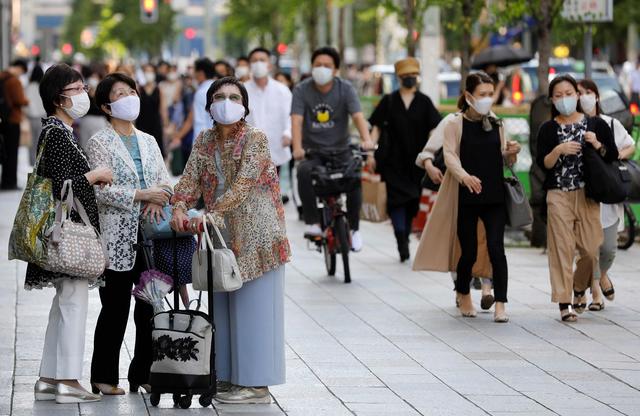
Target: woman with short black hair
x=573 y=218
x=141 y=188
x=231 y=168
x=60 y=158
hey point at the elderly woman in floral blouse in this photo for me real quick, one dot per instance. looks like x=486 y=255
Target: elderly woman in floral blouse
x=231 y=167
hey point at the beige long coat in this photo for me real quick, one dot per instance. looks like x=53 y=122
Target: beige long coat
x=439 y=248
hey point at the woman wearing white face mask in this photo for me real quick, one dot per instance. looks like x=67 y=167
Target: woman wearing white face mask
x=611 y=215
x=65 y=99
x=231 y=168
x=154 y=115
x=140 y=188
x=472 y=189
x=573 y=220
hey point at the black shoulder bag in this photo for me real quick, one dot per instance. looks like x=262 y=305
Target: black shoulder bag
x=606 y=182
x=438 y=162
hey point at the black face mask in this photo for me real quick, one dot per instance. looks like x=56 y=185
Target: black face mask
x=409 y=82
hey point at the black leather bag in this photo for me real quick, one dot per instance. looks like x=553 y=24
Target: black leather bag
x=438 y=162
x=608 y=183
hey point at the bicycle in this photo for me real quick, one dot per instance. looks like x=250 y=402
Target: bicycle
x=331 y=181
x=627 y=237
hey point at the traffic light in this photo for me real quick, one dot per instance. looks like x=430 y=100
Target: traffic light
x=148 y=11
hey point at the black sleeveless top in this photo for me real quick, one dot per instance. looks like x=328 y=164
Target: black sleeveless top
x=149 y=119
x=481 y=156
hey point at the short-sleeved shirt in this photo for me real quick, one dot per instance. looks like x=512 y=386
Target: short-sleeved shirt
x=326 y=116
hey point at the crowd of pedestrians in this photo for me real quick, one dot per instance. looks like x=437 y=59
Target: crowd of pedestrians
x=229 y=133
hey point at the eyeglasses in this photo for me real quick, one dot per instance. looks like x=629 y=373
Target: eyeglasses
x=237 y=98
x=84 y=88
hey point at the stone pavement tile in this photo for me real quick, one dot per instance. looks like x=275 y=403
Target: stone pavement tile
x=245 y=409
x=328 y=404
x=632 y=377
x=129 y=404
x=506 y=403
x=382 y=409
x=312 y=411
x=510 y=413
x=379 y=395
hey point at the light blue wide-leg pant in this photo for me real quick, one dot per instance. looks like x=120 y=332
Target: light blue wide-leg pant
x=249 y=336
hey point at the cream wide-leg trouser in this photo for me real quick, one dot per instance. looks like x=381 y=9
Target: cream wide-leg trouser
x=573 y=222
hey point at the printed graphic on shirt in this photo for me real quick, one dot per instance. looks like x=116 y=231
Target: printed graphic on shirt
x=323 y=116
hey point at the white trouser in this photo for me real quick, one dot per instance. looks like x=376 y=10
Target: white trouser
x=64 y=341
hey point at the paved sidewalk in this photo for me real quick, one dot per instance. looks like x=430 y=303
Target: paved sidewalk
x=391 y=343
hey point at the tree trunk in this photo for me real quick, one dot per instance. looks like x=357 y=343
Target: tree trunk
x=543 y=30
x=311 y=25
x=465 y=65
x=409 y=17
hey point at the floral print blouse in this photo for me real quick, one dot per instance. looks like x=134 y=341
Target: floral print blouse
x=568 y=173
x=251 y=205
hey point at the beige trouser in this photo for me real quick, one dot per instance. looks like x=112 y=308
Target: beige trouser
x=573 y=223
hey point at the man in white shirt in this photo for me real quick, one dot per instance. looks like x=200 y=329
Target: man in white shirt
x=198 y=118
x=270 y=106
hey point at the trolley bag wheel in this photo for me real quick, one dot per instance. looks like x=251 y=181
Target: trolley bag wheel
x=176 y=399
x=329 y=259
x=205 y=400
x=185 y=401
x=345 y=247
x=154 y=399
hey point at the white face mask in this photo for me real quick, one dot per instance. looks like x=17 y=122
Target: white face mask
x=566 y=105
x=588 y=103
x=481 y=105
x=173 y=76
x=93 y=83
x=260 y=69
x=227 y=112
x=126 y=108
x=79 y=105
x=150 y=77
x=322 y=75
x=242 y=71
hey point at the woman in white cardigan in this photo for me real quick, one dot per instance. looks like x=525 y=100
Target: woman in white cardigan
x=140 y=188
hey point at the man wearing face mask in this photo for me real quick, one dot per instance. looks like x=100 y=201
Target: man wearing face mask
x=319 y=120
x=404 y=119
x=198 y=119
x=12 y=100
x=270 y=104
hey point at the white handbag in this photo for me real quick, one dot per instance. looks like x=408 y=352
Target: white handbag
x=74 y=248
x=224 y=271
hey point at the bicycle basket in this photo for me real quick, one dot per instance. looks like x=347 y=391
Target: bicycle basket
x=330 y=181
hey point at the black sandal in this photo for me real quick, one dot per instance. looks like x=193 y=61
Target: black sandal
x=608 y=293
x=596 y=307
x=579 y=307
x=567 y=314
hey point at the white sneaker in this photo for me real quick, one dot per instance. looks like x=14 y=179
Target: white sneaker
x=245 y=395
x=356 y=241
x=313 y=230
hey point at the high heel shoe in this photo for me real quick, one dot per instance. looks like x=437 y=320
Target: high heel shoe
x=133 y=388
x=67 y=394
x=106 y=389
x=44 y=391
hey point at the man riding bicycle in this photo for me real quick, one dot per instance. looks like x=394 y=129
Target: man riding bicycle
x=319 y=120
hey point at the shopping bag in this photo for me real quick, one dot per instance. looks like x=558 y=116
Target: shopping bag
x=374 y=198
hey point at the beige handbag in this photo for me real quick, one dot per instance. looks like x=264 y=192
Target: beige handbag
x=224 y=271
x=74 y=248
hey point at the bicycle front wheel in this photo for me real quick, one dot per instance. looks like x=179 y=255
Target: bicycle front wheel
x=342 y=234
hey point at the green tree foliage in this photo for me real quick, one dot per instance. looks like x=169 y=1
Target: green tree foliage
x=118 y=27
